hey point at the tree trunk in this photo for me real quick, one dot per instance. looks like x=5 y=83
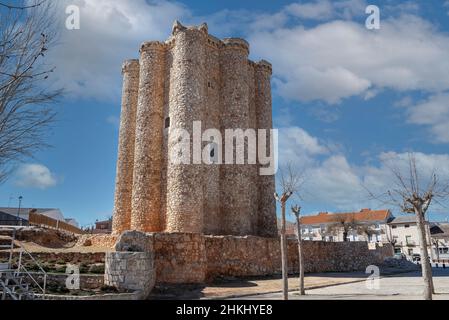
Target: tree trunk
x=437 y=248
x=425 y=261
x=284 y=254
x=301 y=258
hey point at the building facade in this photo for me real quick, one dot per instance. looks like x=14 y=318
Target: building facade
x=192 y=77
x=405 y=237
x=366 y=225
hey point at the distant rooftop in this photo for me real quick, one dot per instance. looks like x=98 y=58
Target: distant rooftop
x=403 y=219
x=362 y=215
x=49 y=212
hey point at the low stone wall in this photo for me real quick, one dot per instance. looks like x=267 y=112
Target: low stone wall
x=87 y=281
x=195 y=258
x=131 y=267
x=130 y=271
x=63 y=257
x=252 y=256
x=180 y=258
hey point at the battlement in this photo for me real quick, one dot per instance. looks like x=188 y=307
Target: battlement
x=265 y=65
x=130 y=65
x=152 y=45
x=236 y=43
x=178 y=27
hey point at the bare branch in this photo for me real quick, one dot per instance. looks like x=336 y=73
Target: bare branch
x=26 y=33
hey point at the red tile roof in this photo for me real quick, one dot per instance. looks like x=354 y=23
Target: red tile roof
x=363 y=215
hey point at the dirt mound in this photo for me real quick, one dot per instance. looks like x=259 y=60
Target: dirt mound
x=46 y=237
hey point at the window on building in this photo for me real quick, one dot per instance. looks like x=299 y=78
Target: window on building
x=444 y=250
x=394 y=227
x=410 y=252
x=408 y=240
x=167 y=122
x=407 y=226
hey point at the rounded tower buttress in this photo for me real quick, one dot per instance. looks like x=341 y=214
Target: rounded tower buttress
x=125 y=162
x=146 y=200
x=188 y=88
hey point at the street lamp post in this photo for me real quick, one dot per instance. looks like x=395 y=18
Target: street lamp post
x=18 y=211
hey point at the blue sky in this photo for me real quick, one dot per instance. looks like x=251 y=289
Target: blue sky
x=347 y=100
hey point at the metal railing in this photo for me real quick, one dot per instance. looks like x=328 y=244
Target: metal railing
x=20 y=269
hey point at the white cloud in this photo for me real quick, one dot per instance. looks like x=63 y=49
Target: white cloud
x=330 y=62
x=320 y=10
x=433 y=112
x=340 y=59
x=35 y=176
x=332 y=181
x=89 y=60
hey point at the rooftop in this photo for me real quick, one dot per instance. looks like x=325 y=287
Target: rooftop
x=403 y=219
x=361 y=216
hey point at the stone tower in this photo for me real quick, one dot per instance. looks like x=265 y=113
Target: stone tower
x=192 y=77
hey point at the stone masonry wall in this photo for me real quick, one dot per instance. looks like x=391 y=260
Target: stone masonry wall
x=190 y=258
x=194 y=258
x=132 y=271
x=179 y=258
x=192 y=76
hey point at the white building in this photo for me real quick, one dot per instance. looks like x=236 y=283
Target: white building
x=24 y=213
x=403 y=233
x=365 y=225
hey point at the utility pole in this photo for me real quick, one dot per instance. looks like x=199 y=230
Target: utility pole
x=18 y=211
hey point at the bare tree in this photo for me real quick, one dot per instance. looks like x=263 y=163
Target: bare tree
x=26 y=34
x=290 y=181
x=368 y=230
x=413 y=197
x=344 y=223
x=296 y=210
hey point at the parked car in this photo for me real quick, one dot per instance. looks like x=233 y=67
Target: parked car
x=416 y=257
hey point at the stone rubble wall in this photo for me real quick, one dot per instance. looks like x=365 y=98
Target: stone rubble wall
x=130 y=271
x=97 y=240
x=131 y=267
x=195 y=258
x=180 y=258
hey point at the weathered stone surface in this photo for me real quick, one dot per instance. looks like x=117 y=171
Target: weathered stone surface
x=98 y=240
x=134 y=241
x=125 y=164
x=130 y=271
x=193 y=76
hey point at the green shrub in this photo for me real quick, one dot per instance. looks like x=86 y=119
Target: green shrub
x=97 y=269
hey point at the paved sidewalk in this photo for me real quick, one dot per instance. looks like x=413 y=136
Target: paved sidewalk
x=406 y=286
x=250 y=288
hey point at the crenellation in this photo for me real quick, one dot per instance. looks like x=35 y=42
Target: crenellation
x=153 y=45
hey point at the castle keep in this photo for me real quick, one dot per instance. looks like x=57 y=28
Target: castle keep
x=193 y=76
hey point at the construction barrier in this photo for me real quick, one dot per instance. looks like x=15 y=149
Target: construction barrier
x=37 y=219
